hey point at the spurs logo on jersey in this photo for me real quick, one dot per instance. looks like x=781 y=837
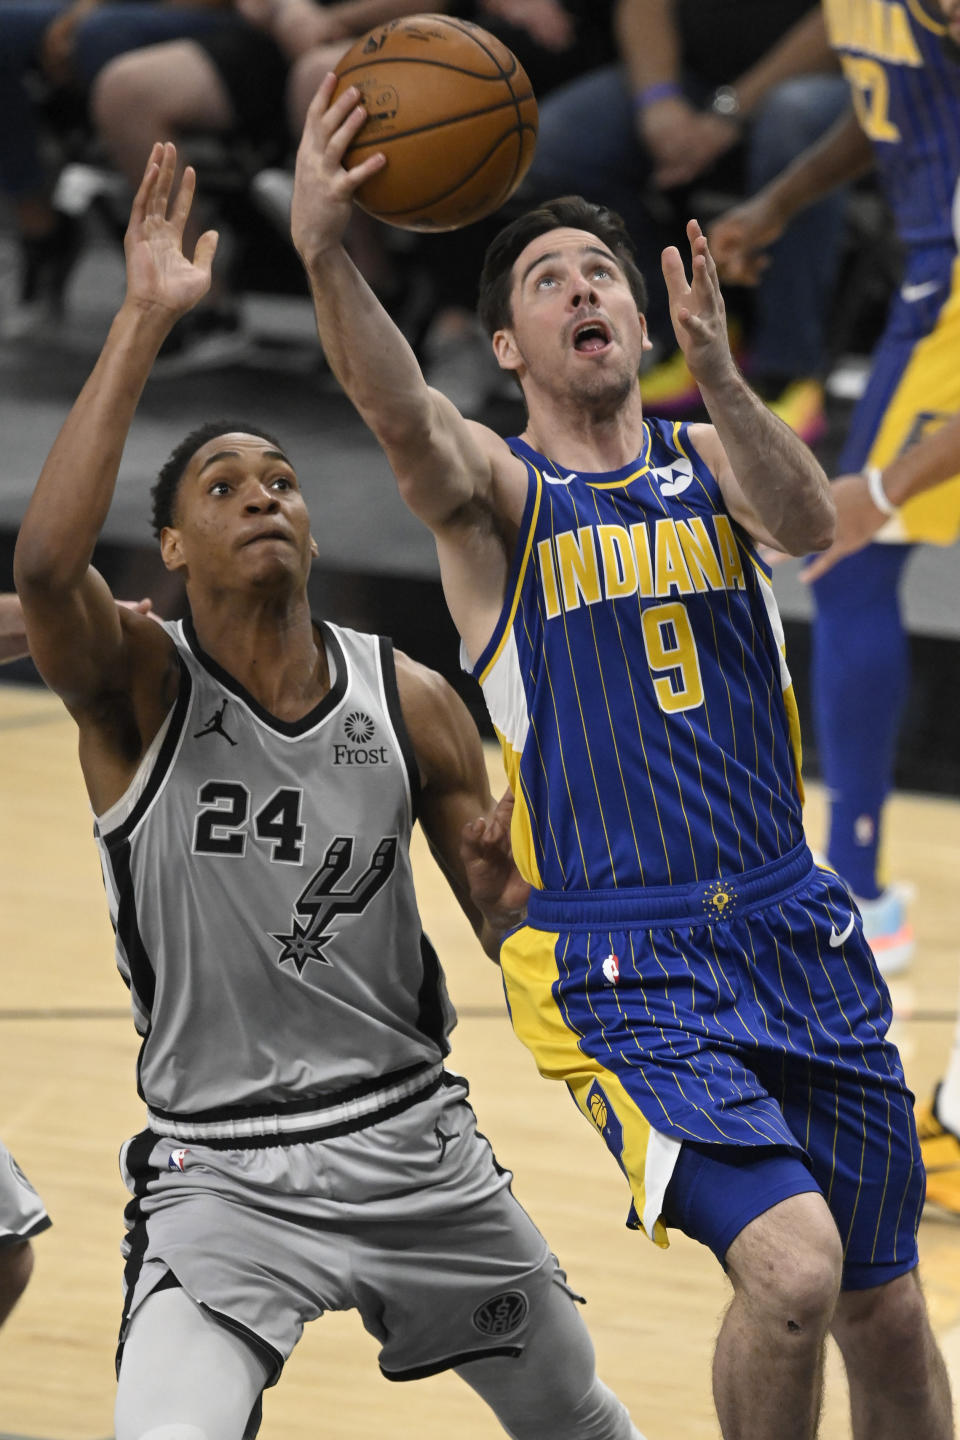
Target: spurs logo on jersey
x=321 y=903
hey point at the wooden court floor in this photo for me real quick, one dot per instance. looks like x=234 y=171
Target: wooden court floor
x=68 y=1100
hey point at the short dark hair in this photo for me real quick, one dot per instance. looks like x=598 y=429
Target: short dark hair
x=568 y=212
x=164 y=491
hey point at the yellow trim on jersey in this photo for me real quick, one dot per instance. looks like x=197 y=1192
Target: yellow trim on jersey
x=528 y=962
x=518 y=589
x=521 y=827
x=922 y=18
x=927 y=395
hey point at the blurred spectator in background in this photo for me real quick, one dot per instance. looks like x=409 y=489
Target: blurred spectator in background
x=254 y=81
x=710 y=97
x=53 y=52
x=903 y=67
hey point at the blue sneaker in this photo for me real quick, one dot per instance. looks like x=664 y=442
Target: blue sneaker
x=887 y=929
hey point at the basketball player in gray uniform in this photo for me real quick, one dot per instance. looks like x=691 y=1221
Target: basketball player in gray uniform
x=22 y=1214
x=254 y=777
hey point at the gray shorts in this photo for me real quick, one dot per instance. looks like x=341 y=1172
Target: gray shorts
x=410 y=1221
x=21 y=1209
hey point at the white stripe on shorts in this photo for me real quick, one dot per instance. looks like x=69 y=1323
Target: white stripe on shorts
x=332 y=1117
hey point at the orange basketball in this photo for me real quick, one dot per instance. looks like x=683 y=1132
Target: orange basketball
x=452 y=110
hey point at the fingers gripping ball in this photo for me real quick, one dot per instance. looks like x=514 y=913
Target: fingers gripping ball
x=452 y=110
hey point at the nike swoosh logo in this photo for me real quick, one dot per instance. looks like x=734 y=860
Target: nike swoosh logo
x=836 y=938
x=560 y=479
x=918 y=292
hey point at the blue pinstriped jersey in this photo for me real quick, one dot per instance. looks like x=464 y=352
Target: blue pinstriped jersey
x=906 y=91
x=637 y=682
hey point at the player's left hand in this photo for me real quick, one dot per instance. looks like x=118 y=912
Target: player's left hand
x=858 y=521
x=697 y=310
x=497 y=888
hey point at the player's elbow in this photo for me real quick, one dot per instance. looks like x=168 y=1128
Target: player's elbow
x=823 y=526
x=812 y=530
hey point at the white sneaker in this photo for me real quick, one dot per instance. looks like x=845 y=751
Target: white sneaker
x=887 y=929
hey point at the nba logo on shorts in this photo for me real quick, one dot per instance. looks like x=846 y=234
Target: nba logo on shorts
x=176 y=1159
x=501 y=1315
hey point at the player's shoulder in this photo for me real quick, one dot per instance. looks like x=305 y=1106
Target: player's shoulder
x=419 y=685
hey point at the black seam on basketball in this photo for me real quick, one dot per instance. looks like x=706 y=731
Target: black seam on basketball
x=516 y=103
x=499 y=78
x=452 y=190
x=471 y=35
x=377 y=142
x=461 y=29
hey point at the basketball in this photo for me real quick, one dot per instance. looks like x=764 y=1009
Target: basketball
x=451 y=108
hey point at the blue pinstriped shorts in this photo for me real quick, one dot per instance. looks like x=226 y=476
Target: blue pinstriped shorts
x=746 y=1013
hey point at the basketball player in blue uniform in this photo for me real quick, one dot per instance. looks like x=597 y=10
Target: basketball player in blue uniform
x=254 y=778
x=702 y=988
x=902 y=61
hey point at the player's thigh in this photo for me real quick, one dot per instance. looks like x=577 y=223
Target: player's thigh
x=185 y=1374
x=176 y=80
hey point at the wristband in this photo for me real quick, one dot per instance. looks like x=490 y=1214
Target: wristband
x=874 y=478
x=650 y=94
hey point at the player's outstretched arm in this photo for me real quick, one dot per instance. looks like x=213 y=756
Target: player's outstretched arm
x=456 y=792
x=740 y=239
x=76 y=633
x=866 y=502
x=13 y=629
x=440 y=463
x=771 y=482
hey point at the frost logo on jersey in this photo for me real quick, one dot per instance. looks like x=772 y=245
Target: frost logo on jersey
x=501 y=1315
x=176 y=1159
x=674 y=479
x=360 y=729
x=321 y=904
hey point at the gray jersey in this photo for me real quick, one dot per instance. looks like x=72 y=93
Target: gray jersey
x=21 y=1209
x=260 y=888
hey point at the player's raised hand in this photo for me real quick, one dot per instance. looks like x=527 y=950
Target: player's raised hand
x=697 y=310
x=158 y=273
x=740 y=239
x=323 y=188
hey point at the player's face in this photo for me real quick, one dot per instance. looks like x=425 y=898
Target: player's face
x=575 y=326
x=241 y=517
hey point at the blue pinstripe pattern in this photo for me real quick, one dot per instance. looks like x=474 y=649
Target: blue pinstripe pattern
x=629 y=774
x=909 y=103
x=756 y=1030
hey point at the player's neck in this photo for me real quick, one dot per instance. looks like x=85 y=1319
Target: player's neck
x=270 y=647
x=587 y=439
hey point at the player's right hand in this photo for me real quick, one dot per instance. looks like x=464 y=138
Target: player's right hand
x=323 y=188
x=497 y=888
x=858 y=520
x=739 y=239
x=159 y=275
